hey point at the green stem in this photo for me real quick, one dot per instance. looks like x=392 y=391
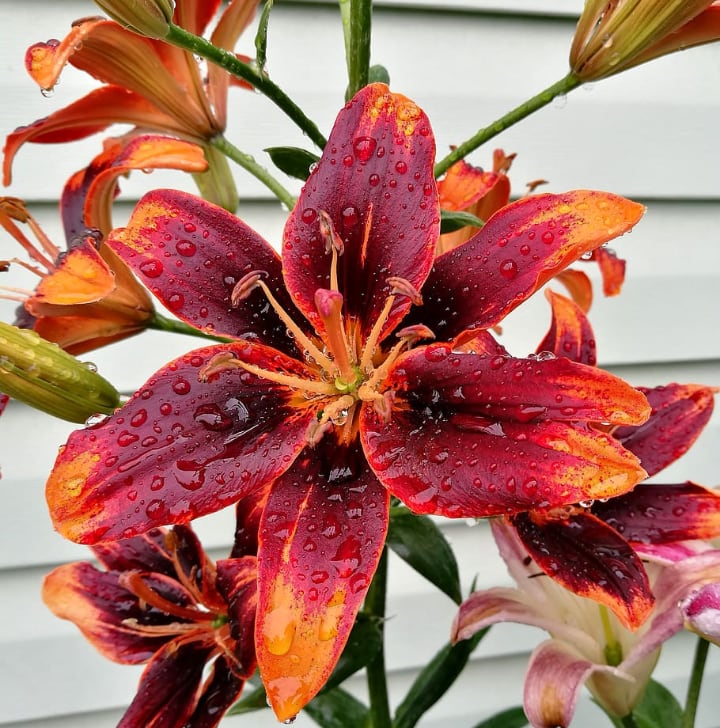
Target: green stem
x=627 y=721
x=379 y=716
x=559 y=88
x=358 y=45
x=696 y=677
x=160 y=323
x=225 y=59
x=257 y=170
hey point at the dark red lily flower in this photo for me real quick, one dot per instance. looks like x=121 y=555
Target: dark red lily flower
x=159 y=600
x=325 y=392
x=595 y=549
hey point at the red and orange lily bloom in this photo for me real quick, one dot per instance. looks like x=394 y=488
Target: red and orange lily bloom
x=328 y=393
x=147 y=83
x=159 y=600
x=594 y=549
x=87 y=297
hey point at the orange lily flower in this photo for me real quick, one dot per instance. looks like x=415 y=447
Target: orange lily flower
x=147 y=83
x=87 y=297
x=617 y=35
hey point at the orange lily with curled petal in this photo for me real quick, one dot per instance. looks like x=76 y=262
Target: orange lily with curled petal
x=87 y=297
x=617 y=35
x=148 y=83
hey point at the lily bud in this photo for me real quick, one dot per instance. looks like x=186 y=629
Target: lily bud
x=616 y=35
x=151 y=18
x=44 y=376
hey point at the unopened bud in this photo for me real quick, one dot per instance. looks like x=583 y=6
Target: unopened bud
x=151 y=18
x=41 y=374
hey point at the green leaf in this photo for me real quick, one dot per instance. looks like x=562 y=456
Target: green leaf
x=451 y=220
x=417 y=540
x=337 y=709
x=261 y=36
x=378 y=74
x=255 y=700
x=363 y=644
x=295 y=162
x=658 y=708
x=435 y=679
x=510 y=718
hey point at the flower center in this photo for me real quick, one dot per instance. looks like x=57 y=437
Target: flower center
x=347 y=367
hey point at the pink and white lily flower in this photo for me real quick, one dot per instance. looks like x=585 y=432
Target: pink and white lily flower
x=588 y=644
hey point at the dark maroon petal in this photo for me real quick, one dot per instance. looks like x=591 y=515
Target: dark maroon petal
x=589 y=558
x=104 y=611
x=570 y=333
x=168 y=688
x=191 y=254
x=147 y=552
x=237 y=581
x=185 y=444
x=655 y=513
x=518 y=250
x=321 y=537
x=247 y=524
x=679 y=414
x=375 y=181
x=220 y=690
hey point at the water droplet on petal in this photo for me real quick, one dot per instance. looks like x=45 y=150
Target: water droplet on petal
x=278 y=630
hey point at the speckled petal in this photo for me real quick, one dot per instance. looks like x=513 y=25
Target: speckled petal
x=375 y=181
x=191 y=254
x=518 y=250
x=181 y=447
x=322 y=534
x=589 y=558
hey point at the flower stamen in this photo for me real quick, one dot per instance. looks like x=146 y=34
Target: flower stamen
x=329 y=307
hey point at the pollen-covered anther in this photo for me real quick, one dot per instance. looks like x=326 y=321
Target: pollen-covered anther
x=403 y=287
x=333 y=241
x=245 y=286
x=414 y=333
x=219 y=363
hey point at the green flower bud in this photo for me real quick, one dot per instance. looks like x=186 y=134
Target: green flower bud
x=151 y=18
x=41 y=374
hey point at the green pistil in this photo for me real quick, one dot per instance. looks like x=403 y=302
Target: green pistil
x=613 y=649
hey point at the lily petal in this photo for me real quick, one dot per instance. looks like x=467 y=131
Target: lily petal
x=679 y=414
x=578 y=285
x=322 y=534
x=517 y=251
x=590 y=559
x=375 y=182
x=147 y=552
x=171 y=233
x=88 y=115
x=570 y=332
x=213 y=437
x=655 y=513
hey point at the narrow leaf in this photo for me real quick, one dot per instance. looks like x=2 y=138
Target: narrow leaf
x=250 y=702
x=419 y=542
x=435 y=680
x=295 y=162
x=363 y=644
x=658 y=708
x=337 y=709
x=261 y=36
x=451 y=220
x=378 y=74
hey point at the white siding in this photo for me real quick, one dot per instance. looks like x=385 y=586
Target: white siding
x=650 y=134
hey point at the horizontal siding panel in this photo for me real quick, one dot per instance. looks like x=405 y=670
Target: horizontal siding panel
x=607 y=137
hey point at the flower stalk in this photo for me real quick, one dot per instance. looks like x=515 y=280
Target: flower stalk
x=559 y=88
x=179 y=37
x=357 y=48
x=696 y=677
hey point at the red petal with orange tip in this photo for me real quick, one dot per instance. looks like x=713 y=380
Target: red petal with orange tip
x=570 y=333
x=589 y=558
x=612 y=269
x=375 y=183
x=81 y=276
x=517 y=251
x=655 y=513
x=463 y=185
x=473 y=435
x=679 y=414
x=172 y=234
x=321 y=537
x=187 y=443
